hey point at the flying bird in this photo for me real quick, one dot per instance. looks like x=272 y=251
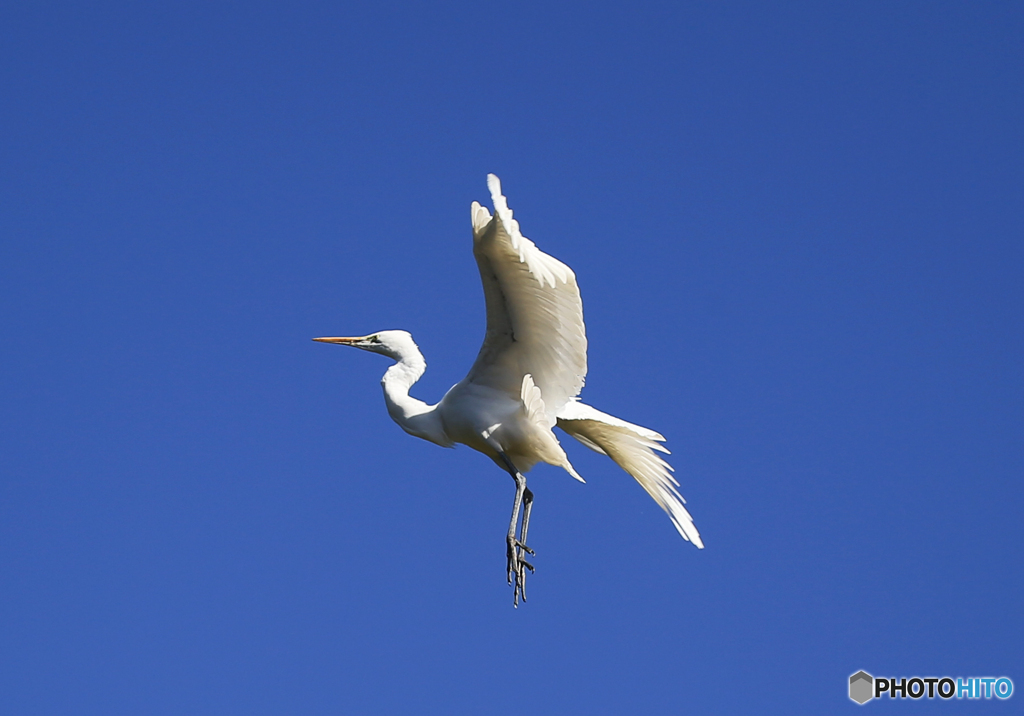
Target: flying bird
x=524 y=383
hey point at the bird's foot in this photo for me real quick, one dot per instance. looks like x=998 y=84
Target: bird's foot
x=514 y=557
x=517 y=567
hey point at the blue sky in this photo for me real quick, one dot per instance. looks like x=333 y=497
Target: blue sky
x=797 y=231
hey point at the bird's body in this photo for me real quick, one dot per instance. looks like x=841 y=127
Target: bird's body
x=525 y=380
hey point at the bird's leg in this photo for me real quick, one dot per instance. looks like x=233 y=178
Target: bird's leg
x=515 y=570
x=516 y=565
x=527 y=507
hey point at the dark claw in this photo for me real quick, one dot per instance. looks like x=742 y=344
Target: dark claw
x=520 y=589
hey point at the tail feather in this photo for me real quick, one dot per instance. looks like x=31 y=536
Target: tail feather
x=633 y=448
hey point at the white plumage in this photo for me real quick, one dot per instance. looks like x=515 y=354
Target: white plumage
x=524 y=382
x=534 y=311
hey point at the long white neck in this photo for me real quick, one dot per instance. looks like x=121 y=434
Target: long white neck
x=413 y=416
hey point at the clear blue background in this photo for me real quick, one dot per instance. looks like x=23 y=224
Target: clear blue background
x=798 y=232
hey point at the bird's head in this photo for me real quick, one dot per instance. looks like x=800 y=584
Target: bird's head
x=393 y=344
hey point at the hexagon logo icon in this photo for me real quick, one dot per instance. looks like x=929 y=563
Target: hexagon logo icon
x=861 y=687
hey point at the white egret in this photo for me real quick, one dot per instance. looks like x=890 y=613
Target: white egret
x=525 y=381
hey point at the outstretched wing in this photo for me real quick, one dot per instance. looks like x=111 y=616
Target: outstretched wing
x=633 y=448
x=534 y=311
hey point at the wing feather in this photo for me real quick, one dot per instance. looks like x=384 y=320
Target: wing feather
x=534 y=311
